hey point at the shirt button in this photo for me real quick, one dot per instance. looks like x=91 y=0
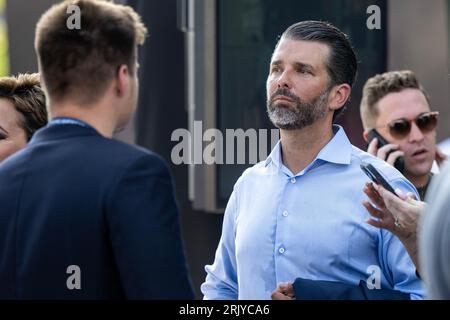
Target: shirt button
x=281 y=250
x=293 y=180
x=285 y=213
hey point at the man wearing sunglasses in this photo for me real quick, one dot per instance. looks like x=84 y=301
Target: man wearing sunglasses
x=400 y=126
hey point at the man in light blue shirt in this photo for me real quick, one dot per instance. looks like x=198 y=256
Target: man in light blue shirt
x=299 y=214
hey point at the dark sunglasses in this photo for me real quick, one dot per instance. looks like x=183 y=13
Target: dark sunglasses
x=401 y=128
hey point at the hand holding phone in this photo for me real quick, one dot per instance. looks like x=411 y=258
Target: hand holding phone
x=399 y=163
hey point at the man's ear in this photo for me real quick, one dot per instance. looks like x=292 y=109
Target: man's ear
x=339 y=96
x=122 y=80
x=366 y=135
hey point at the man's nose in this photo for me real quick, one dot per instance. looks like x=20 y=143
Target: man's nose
x=416 y=134
x=284 y=81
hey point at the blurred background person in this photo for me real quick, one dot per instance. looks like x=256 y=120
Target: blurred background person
x=434 y=238
x=22 y=111
x=400 y=126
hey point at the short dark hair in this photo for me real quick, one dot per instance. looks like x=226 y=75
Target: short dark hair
x=342 y=64
x=81 y=62
x=381 y=85
x=28 y=99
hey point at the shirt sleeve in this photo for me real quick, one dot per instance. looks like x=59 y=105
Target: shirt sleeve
x=396 y=263
x=221 y=280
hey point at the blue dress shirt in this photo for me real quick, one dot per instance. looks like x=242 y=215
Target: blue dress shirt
x=279 y=226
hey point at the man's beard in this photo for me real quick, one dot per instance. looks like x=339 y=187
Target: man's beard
x=301 y=114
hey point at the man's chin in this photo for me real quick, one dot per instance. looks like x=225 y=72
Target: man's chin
x=284 y=124
x=421 y=169
x=289 y=125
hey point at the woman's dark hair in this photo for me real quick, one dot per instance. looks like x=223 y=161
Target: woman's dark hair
x=28 y=98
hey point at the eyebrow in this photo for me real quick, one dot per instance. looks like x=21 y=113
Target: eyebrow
x=298 y=65
x=276 y=63
x=301 y=65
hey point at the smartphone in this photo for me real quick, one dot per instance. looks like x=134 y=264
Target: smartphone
x=375 y=176
x=400 y=162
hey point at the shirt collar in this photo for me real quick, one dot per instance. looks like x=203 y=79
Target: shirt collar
x=338 y=150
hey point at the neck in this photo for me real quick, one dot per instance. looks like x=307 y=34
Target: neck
x=96 y=116
x=418 y=181
x=300 y=147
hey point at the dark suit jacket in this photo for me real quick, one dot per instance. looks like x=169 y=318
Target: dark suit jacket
x=306 y=289
x=73 y=197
